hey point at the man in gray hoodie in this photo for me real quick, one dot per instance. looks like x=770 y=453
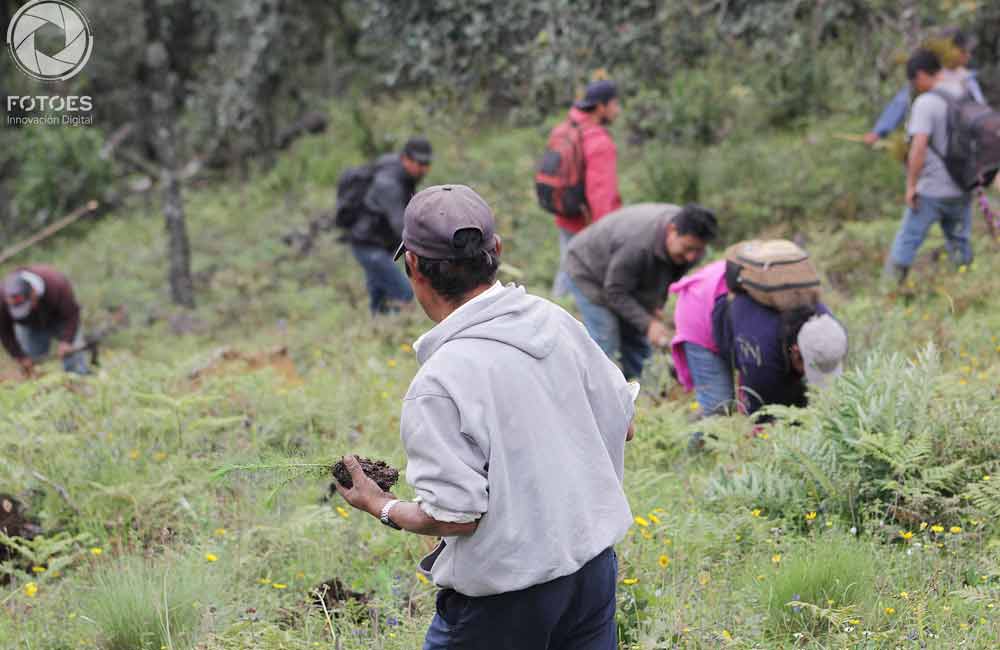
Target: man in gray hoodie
x=514 y=430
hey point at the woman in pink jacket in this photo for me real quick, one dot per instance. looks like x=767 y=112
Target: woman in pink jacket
x=696 y=356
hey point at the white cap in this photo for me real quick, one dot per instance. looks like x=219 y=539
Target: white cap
x=823 y=344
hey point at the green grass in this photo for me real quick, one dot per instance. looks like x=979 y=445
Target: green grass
x=137 y=447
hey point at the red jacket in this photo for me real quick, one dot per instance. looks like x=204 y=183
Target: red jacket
x=601 y=181
x=57 y=309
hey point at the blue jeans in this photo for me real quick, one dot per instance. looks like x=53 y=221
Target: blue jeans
x=385 y=281
x=615 y=336
x=955 y=217
x=36 y=343
x=560 y=286
x=713 y=379
x=575 y=612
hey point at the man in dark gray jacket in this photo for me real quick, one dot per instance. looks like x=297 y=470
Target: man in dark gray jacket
x=379 y=229
x=621 y=267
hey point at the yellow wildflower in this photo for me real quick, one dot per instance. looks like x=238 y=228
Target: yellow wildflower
x=630 y=581
x=646 y=534
x=405 y=348
x=890 y=611
x=811 y=515
x=642 y=522
x=954 y=530
x=134 y=454
x=986 y=478
x=422 y=578
x=30 y=589
x=763 y=435
x=776 y=558
x=937 y=528
x=923 y=525
x=855 y=621
x=664 y=561
x=263 y=581
x=905 y=534
x=220 y=532
x=704 y=578
x=963 y=268
x=343 y=513
x=38 y=569
x=653 y=518
x=755 y=512
x=97 y=550
x=160 y=456
x=391 y=363
x=279 y=585
x=694 y=406
x=727 y=635
x=211 y=557
x=905 y=595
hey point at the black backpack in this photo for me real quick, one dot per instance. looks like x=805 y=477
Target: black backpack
x=972 y=155
x=352 y=186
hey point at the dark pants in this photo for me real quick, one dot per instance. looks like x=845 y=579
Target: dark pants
x=575 y=612
x=621 y=341
x=385 y=280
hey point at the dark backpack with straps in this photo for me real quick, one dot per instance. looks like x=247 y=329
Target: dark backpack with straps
x=559 y=179
x=352 y=186
x=972 y=155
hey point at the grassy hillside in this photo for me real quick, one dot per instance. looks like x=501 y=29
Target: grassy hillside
x=874 y=514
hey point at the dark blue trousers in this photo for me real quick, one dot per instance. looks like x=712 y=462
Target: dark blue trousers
x=387 y=285
x=575 y=612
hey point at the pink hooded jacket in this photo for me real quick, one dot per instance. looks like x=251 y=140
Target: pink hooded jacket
x=696 y=294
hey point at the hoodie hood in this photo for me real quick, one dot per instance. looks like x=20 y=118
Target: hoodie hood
x=506 y=314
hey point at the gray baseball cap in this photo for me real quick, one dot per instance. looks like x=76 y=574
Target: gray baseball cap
x=823 y=344
x=433 y=217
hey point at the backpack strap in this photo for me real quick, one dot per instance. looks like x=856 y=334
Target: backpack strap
x=950 y=102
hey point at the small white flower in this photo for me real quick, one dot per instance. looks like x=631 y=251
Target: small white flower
x=854 y=530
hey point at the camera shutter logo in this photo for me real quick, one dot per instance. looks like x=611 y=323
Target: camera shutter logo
x=77 y=40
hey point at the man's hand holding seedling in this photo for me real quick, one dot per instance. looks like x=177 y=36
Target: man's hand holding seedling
x=366 y=495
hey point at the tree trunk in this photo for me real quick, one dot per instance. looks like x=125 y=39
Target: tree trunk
x=163 y=86
x=181 y=286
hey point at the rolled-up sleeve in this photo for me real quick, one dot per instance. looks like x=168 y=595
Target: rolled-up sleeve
x=446 y=468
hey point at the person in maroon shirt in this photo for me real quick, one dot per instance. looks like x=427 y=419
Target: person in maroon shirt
x=38 y=306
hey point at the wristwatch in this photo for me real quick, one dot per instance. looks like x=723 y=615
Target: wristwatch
x=384 y=515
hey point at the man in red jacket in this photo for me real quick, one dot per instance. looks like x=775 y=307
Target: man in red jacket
x=38 y=306
x=598 y=108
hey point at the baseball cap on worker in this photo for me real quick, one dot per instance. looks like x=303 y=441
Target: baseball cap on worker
x=418 y=149
x=433 y=217
x=17 y=294
x=823 y=344
x=598 y=92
